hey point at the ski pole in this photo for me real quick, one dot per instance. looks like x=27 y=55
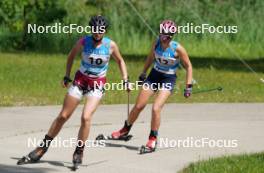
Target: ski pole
x=207 y=90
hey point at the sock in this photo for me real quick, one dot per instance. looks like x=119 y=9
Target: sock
x=80 y=147
x=153 y=133
x=46 y=141
x=127 y=126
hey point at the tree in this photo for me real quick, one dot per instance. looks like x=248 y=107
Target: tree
x=16 y=15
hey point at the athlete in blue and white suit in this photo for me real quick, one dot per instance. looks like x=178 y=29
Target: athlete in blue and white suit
x=95 y=60
x=91 y=75
x=166 y=62
x=166 y=55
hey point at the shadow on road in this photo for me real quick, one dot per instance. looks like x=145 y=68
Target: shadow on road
x=55 y=163
x=129 y=147
x=15 y=169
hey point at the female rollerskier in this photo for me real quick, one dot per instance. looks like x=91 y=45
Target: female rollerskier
x=166 y=55
x=96 y=52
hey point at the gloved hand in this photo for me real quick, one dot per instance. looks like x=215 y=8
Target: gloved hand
x=142 y=77
x=66 y=80
x=188 y=91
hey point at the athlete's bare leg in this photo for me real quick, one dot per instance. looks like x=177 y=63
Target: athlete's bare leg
x=157 y=107
x=90 y=106
x=141 y=102
x=69 y=105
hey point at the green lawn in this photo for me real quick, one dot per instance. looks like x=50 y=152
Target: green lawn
x=34 y=79
x=246 y=163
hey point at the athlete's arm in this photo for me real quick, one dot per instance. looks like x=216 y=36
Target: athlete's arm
x=149 y=59
x=76 y=48
x=119 y=59
x=186 y=63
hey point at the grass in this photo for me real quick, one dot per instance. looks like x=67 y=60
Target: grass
x=34 y=79
x=134 y=37
x=133 y=42
x=246 y=163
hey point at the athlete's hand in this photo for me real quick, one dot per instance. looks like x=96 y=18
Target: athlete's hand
x=127 y=85
x=142 y=77
x=188 y=91
x=65 y=82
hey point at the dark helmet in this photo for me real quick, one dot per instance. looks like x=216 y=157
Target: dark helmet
x=99 y=21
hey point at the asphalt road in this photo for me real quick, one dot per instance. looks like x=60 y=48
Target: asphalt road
x=236 y=128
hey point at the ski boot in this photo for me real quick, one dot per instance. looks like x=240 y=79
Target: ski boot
x=150 y=146
x=121 y=134
x=35 y=155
